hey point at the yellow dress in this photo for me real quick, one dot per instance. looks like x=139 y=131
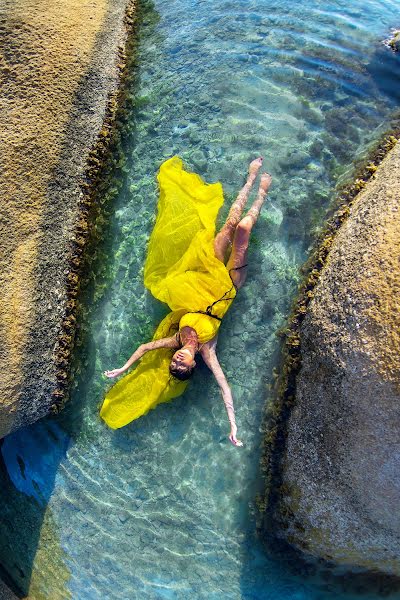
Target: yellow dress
x=182 y=271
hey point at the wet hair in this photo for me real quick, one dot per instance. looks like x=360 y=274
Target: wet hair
x=181 y=372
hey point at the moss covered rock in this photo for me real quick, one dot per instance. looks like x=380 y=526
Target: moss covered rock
x=340 y=496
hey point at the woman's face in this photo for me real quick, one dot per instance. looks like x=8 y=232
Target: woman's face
x=183 y=360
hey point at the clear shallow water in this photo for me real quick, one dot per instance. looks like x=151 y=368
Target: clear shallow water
x=164 y=508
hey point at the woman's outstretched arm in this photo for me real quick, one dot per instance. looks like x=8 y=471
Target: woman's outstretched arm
x=210 y=358
x=169 y=342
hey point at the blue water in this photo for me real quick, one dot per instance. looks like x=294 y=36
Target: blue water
x=165 y=508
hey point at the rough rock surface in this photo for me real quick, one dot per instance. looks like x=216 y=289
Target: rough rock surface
x=341 y=494
x=6 y=593
x=58 y=65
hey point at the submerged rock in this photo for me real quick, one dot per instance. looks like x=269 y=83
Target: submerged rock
x=340 y=496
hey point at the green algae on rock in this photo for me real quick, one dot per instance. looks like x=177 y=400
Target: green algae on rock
x=60 y=69
x=334 y=486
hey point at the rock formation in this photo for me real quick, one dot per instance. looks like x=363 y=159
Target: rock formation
x=6 y=593
x=58 y=68
x=340 y=496
x=394 y=41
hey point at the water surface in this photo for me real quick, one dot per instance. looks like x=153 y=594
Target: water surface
x=164 y=508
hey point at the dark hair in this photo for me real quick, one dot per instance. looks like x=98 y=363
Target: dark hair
x=181 y=372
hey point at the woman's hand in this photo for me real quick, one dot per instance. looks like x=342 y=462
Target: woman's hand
x=113 y=373
x=234 y=439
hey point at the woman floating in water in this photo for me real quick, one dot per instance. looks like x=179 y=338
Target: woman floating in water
x=188 y=268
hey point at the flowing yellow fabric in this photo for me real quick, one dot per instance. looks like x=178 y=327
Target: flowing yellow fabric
x=182 y=271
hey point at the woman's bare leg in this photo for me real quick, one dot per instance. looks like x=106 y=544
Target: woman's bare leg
x=224 y=238
x=238 y=256
x=265 y=184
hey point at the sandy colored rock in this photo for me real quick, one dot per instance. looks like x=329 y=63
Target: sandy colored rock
x=58 y=65
x=341 y=494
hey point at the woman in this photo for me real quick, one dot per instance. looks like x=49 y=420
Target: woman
x=187 y=268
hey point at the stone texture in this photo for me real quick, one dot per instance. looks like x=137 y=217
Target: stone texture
x=58 y=65
x=341 y=494
x=6 y=593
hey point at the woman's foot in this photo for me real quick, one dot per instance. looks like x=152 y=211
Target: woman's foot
x=265 y=182
x=255 y=166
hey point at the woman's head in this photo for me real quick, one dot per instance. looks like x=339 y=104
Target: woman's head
x=182 y=364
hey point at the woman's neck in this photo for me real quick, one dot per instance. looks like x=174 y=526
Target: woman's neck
x=192 y=346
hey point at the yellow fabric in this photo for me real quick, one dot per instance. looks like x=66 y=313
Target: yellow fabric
x=182 y=271
x=205 y=326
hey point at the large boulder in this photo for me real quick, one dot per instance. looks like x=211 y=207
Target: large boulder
x=59 y=66
x=340 y=496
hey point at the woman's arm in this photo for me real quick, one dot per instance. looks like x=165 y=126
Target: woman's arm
x=169 y=342
x=210 y=358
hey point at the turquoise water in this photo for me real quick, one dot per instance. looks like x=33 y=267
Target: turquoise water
x=164 y=508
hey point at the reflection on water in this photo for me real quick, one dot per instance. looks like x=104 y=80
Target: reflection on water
x=164 y=508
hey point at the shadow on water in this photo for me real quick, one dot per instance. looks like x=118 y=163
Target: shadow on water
x=30 y=458
x=384 y=69
x=27 y=476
